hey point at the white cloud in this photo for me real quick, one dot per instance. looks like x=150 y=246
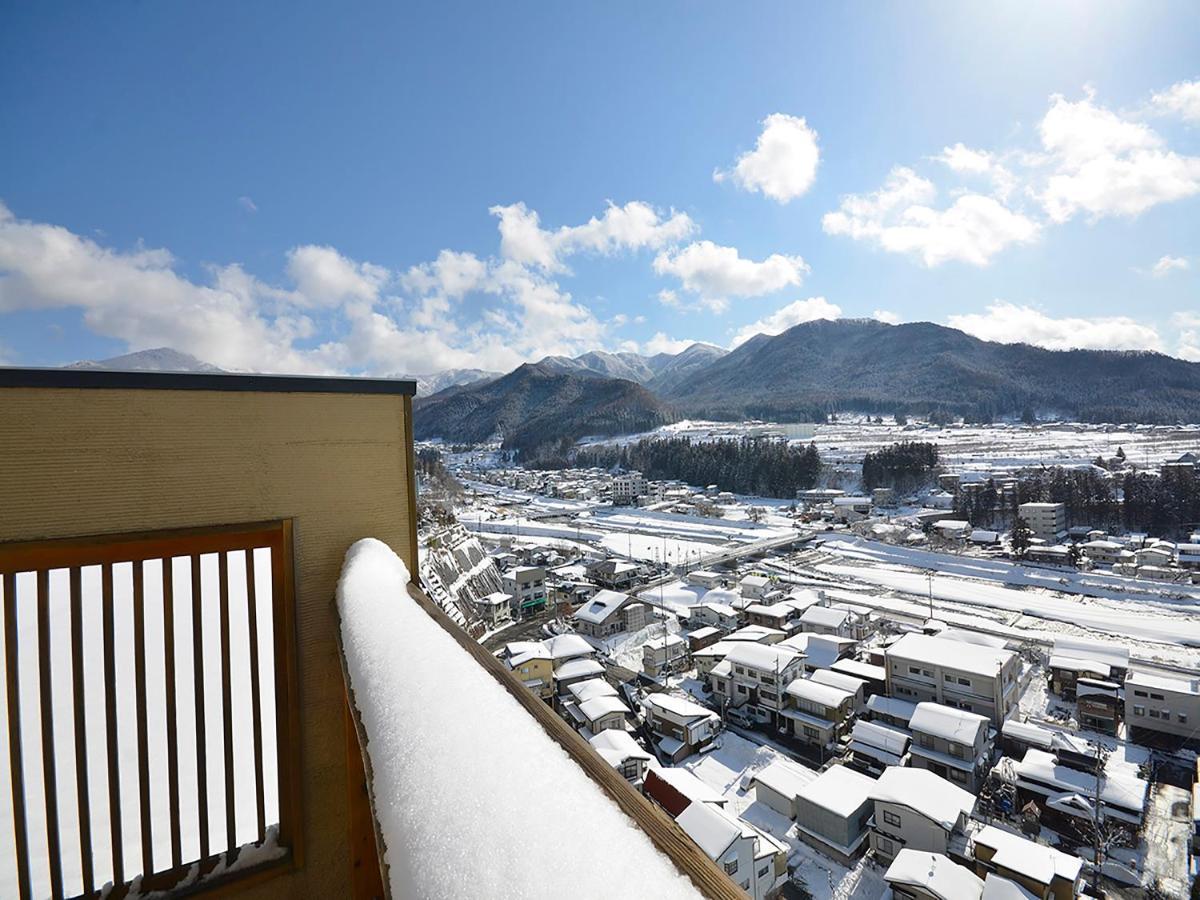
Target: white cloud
x=899 y=218
x=1105 y=165
x=787 y=316
x=1168 y=264
x=886 y=315
x=961 y=158
x=715 y=273
x=1008 y=323
x=451 y=275
x=634 y=226
x=247 y=204
x=322 y=274
x=783 y=163
x=1188 y=339
x=1181 y=99
x=668 y=297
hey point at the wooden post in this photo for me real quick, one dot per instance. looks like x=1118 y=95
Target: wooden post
x=366 y=871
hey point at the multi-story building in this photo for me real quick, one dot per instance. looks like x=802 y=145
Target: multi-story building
x=752 y=678
x=623 y=753
x=527 y=586
x=952 y=743
x=609 y=613
x=1047 y=521
x=681 y=727
x=916 y=810
x=495 y=609
x=972 y=677
x=664 y=655
x=533 y=666
x=1162 y=708
x=626 y=488
x=1045 y=872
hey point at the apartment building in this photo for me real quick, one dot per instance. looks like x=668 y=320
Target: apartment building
x=752 y=678
x=527 y=586
x=1047 y=521
x=972 y=677
x=952 y=743
x=626 y=488
x=1162 y=708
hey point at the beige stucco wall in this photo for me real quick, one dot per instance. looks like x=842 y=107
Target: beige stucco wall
x=75 y=462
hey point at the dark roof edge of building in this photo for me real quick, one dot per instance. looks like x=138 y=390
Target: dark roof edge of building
x=115 y=379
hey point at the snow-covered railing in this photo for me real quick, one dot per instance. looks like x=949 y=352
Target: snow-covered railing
x=149 y=681
x=476 y=787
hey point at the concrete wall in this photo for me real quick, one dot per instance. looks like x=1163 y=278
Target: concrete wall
x=77 y=462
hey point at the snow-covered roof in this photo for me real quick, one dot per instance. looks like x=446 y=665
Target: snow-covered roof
x=719 y=649
x=592 y=688
x=996 y=887
x=891 y=706
x=568 y=646
x=935 y=874
x=702 y=633
x=665 y=642
x=710 y=827
x=577 y=668
x=785 y=777
x=873 y=734
x=602 y=605
x=821 y=650
x=602 y=706
x=1124 y=791
x=815 y=692
x=860 y=669
x=689 y=785
x=928 y=794
x=1027 y=733
x=1079 y=648
x=777 y=611
x=520 y=652
x=496 y=598
x=756 y=581
x=950 y=654
x=724 y=596
x=838 y=680
x=720 y=609
x=840 y=790
x=1075 y=664
x=755 y=634
x=1163 y=682
x=1019 y=854
x=616 y=746
x=825 y=616
x=764 y=657
x=678 y=706
x=948 y=723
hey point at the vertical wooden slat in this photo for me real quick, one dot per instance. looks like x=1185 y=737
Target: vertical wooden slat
x=81 y=754
x=255 y=695
x=110 y=724
x=172 y=717
x=198 y=687
x=16 y=768
x=49 y=769
x=287 y=690
x=227 y=703
x=139 y=686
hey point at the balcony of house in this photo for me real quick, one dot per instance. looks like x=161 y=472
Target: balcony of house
x=187 y=710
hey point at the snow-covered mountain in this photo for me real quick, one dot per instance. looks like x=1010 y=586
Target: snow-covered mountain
x=160 y=359
x=439 y=381
x=667 y=368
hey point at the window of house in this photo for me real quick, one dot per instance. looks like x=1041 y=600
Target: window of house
x=890 y=818
x=731 y=866
x=1137 y=693
x=965 y=681
x=1182 y=718
x=740 y=670
x=947 y=677
x=914 y=670
x=762 y=873
x=1154 y=696
x=927 y=741
x=886 y=847
x=742 y=689
x=1154 y=714
x=958 y=775
x=812 y=733
x=1139 y=710
x=956 y=750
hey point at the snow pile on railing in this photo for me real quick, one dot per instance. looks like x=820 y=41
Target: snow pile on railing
x=473 y=798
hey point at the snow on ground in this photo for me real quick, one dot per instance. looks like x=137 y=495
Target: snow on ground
x=652 y=548
x=729 y=768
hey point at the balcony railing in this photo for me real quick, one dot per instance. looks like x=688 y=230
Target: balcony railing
x=150 y=692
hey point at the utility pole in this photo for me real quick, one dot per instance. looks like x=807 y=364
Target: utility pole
x=929 y=573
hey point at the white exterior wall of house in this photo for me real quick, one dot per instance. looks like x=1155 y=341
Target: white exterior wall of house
x=1047 y=521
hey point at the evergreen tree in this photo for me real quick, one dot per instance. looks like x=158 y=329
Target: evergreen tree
x=1021 y=537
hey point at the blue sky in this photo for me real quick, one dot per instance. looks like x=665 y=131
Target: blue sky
x=311 y=187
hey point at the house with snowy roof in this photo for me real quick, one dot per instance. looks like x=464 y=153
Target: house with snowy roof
x=833 y=813
x=839 y=621
x=754 y=860
x=817 y=714
x=916 y=810
x=952 y=743
x=918 y=875
x=608 y=613
x=755 y=587
x=618 y=748
x=532 y=664
x=875 y=746
x=681 y=727
x=1046 y=872
x=752 y=677
x=664 y=655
